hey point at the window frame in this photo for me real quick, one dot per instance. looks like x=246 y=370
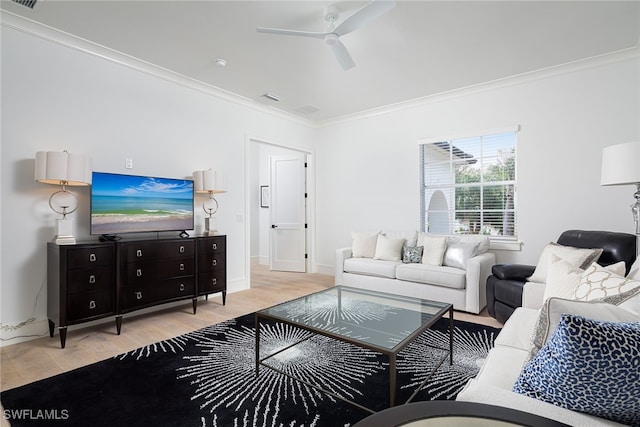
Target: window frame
x=497 y=241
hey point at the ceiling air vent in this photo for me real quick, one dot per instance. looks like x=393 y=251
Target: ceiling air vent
x=29 y=3
x=307 y=109
x=271 y=97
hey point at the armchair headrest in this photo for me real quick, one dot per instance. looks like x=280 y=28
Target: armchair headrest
x=616 y=246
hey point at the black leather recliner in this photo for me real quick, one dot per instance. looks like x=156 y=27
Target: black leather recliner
x=504 y=286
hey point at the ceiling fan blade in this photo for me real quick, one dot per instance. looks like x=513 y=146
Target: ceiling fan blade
x=367 y=13
x=291 y=32
x=342 y=55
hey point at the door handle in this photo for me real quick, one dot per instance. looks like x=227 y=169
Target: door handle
x=274 y=226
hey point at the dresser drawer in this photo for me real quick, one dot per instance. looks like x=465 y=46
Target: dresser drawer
x=212 y=282
x=182 y=287
x=88 y=280
x=137 y=296
x=217 y=244
x=90 y=304
x=153 y=250
x=151 y=271
x=211 y=262
x=86 y=257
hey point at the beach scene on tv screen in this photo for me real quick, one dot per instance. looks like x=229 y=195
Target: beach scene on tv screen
x=128 y=204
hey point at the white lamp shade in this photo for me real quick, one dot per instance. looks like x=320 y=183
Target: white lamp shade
x=209 y=181
x=58 y=167
x=621 y=164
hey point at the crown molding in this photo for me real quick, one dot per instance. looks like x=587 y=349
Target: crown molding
x=623 y=55
x=36 y=29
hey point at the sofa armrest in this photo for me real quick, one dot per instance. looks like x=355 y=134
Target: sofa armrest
x=533 y=295
x=341 y=255
x=478 y=269
x=518 y=272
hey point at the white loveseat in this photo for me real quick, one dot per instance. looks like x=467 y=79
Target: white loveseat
x=465 y=264
x=522 y=331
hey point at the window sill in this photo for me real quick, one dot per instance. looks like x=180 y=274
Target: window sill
x=501 y=245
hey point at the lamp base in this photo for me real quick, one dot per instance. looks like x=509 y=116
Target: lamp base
x=210 y=227
x=64 y=232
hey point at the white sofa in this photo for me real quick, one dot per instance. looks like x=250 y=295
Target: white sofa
x=494 y=383
x=463 y=287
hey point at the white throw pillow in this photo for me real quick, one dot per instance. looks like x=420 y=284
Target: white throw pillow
x=434 y=248
x=563 y=278
x=579 y=257
x=458 y=253
x=634 y=271
x=364 y=244
x=388 y=249
x=598 y=282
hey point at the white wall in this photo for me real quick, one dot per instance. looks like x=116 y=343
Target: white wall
x=55 y=97
x=368 y=169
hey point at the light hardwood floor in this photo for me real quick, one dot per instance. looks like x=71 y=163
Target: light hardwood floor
x=30 y=361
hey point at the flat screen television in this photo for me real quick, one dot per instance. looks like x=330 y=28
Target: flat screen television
x=134 y=204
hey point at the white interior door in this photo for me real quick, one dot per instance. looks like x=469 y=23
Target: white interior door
x=288 y=214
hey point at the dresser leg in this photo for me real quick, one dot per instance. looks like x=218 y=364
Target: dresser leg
x=195 y=304
x=224 y=297
x=52 y=328
x=63 y=336
x=118 y=324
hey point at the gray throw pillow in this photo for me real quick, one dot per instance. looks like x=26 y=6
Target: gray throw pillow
x=412 y=254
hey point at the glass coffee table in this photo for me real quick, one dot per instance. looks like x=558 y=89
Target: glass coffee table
x=382 y=322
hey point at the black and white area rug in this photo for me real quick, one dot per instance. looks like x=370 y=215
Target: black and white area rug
x=207 y=378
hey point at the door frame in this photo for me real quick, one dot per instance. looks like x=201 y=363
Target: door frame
x=248 y=192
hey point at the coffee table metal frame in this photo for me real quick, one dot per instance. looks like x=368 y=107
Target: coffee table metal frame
x=391 y=353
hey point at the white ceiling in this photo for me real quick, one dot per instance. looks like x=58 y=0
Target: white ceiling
x=418 y=49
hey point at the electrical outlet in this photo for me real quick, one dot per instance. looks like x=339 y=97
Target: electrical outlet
x=128 y=164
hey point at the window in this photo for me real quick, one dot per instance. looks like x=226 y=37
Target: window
x=469 y=185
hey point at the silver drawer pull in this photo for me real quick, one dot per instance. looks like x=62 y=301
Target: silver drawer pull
x=139 y=253
x=92 y=258
x=181 y=267
x=138 y=295
x=92 y=279
x=214 y=262
x=214 y=281
x=139 y=272
x=92 y=305
x=181 y=250
x=182 y=286
x=214 y=246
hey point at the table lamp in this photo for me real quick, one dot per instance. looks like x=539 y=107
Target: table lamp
x=211 y=182
x=621 y=166
x=64 y=169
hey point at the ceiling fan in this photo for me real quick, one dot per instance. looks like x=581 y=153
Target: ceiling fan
x=331 y=37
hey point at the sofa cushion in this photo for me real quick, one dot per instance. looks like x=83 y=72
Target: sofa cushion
x=599 y=282
x=553 y=309
x=518 y=329
x=412 y=254
x=459 y=253
x=434 y=248
x=482 y=241
x=449 y=277
x=634 y=271
x=563 y=277
x=502 y=366
x=389 y=249
x=364 y=244
x=588 y=366
x=410 y=236
x=579 y=257
x=372 y=267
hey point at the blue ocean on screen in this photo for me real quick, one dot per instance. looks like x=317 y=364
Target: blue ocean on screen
x=118 y=205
